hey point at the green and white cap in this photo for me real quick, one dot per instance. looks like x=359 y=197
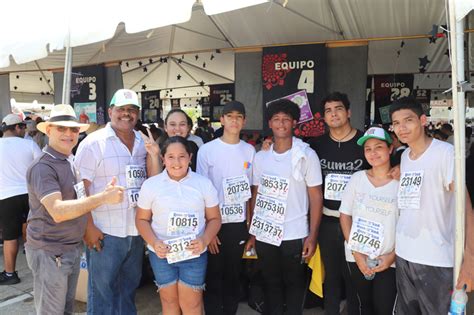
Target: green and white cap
x=125 y=97
x=375 y=133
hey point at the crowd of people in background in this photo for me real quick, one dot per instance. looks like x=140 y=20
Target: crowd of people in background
x=378 y=204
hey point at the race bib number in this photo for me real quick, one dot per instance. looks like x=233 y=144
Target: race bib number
x=181 y=223
x=409 y=190
x=80 y=190
x=236 y=189
x=334 y=185
x=270 y=208
x=366 y=237
x=135 y=175
x=274 y=186
x=266 y=231
x=232 y=212
x=133 y=194
x=177 y=249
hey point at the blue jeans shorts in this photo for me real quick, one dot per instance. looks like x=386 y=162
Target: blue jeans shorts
x=191 y=273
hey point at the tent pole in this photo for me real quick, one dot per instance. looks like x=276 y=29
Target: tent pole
x=457 y=77
x=66 y=96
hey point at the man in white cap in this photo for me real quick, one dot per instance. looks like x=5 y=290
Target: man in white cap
x=16 y=155
x=115 y=250
x=57 y=221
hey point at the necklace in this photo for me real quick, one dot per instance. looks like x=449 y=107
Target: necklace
x=340 y=139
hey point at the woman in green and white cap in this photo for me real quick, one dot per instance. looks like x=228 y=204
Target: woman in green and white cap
x=369 y=214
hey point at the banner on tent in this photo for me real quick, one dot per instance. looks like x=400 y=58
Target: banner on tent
x=388 y=88
x=151 y=106
x=88 y=93
x=289 y=69
x=219 y=95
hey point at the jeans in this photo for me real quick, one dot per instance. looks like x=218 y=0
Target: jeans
x=222 y=293
x=54 y=280
x=114 y=275
x=191 y=273
x=331 y=244
x=284 y=276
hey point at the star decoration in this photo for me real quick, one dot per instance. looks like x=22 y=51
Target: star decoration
x=150 y=60
x=178 y=77
x=15 y=87
x=398 y=53
x=145 y=69
x=140 y=63
x=48 y=93
x=41 y=79
x=218 y=51
x=171 y=96
x=17 y=76
x=127 y=64
x=144 y=87
x=212 y=56
x=204 y=65
x=120 y=63
x=182 y=57
x=433 y=40
x=42 y=93
x=402 y=44
x=165 y=60
x=49 y=80
x=424 y=61
x=184 y=94
x=201 y=83
x=180 y=60
x=171 y=90
x=197 y=57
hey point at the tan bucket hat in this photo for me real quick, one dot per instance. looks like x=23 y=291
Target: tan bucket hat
x=62 y=115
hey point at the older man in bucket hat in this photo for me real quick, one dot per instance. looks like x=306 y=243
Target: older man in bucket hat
x=57 y=221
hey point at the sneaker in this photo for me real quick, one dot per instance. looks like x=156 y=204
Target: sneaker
x=8 y=280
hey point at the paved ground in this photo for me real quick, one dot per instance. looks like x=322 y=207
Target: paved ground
x=18 y=299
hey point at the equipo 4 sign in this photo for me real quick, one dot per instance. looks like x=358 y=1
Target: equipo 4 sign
x=287 y=70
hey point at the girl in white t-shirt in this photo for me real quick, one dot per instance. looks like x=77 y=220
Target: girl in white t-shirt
x=178 y=216
x=368 y=216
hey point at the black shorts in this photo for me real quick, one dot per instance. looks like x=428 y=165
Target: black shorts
x=13 y=213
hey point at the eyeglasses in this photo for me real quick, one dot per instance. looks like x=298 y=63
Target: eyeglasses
x=21 y=126
x=72 y=129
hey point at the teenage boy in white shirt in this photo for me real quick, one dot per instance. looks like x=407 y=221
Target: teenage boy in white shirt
x=227 y=162
x=425 y=231
x=286 y=212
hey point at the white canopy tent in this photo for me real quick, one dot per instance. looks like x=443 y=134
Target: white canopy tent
x=403 y=26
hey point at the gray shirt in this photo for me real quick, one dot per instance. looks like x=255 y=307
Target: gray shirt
x=51 y=172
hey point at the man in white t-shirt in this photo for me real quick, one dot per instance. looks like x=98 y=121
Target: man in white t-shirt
x=16 y=154
x=227 y=162
x=115 y=249
x=425 y=231
x=286 y=211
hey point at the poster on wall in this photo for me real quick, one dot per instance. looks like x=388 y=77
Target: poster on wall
x=88 y=93
x=175 y=103
x=388 y=88
x=205 y=107
x=219 y=95
x=424 y=97
x=301 y=99
x=151 y=106
x=290 y=69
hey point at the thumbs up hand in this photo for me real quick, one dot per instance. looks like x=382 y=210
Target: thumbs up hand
x=112 y=193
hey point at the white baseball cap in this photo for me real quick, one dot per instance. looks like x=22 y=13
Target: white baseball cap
x=125 y=97
x=12 y=119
